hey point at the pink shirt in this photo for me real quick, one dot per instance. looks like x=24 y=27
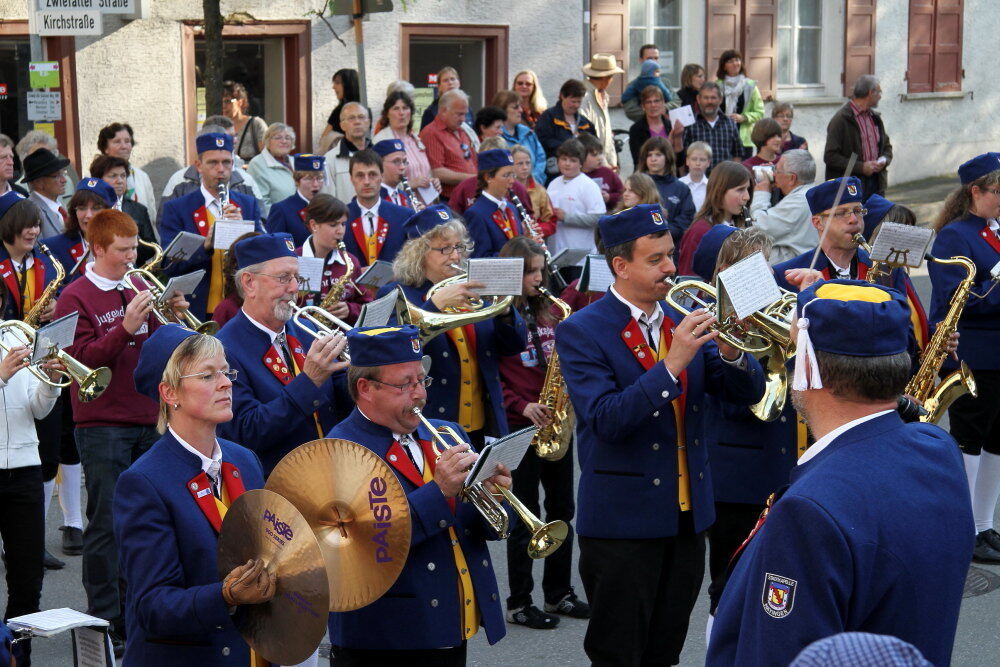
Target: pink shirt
x=869 y=133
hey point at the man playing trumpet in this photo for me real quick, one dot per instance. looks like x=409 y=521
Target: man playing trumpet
x=447 y=588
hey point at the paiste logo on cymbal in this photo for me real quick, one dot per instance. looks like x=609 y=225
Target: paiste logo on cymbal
x=382 y=514
x=281 y=528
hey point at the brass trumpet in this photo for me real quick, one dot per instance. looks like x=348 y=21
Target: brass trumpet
x=545 y=537
x=163 y=312
x=92 y=382
x=319 y=322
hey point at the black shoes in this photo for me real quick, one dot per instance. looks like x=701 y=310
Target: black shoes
x=987 y=548
x=571 y=606
x=532 y=617
x=72 y=541
x=51 y=562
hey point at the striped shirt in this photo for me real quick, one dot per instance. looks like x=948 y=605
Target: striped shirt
x=869 y=133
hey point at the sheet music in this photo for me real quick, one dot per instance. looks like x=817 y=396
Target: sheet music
x=428 y=194
x=376 y=274
x=684 y=114
x=184 y=246
x=596 y=275
x=53 y=621
x=901 y=245
x=185 y=284
x=508 y=450
x=750 y=285
x=311 y=269
x=55 y=335
x=377 y=313
x=570 y=257
x=501 y=276
x=225 y=232
x=92 y=648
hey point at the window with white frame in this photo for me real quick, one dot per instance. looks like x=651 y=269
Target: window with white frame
x=800 y=32
x=656 y=22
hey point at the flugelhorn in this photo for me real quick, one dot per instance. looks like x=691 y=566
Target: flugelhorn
x=162 y=311
x=318 y=323
x=92 y=382
x=545 y=537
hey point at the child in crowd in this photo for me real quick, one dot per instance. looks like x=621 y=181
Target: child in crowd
x=577 y=203
x=698 y=160
x=649 y=75
x=545 y=217
x=604 y=176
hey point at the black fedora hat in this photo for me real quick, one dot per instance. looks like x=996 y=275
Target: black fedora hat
x=42 y=162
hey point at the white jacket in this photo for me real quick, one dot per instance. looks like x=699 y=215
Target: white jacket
x=23 y=399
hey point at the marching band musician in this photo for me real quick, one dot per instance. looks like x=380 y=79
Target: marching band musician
x=25 y=270
x=492 y=220
x=394 y=163
x=169 y=506
x=840 y=256
x=286 y=392
x=637 y=382
x=113 y=430
x=447 y=588
x=523 y=376
x=288 y=215
x=874 y=532
x=967 y=226
x=197 y=212
x=465 y=359
x=376 y=226
x=92 y=196
x=326 y=218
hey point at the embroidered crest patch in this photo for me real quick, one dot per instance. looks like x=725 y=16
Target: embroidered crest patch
x=291 y=246
x=415 y=345
x=220 y=142
x=778 y=595
x=92 y=183
x=852 y=190
x=657 y=218
x=443 y=214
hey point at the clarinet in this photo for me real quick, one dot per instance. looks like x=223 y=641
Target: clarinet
x=418 y=205
x=536 y=235
x=223 y=191
x=747 y=218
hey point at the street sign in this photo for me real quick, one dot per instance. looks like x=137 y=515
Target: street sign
x=103 y=6
x=71 y=22
x=44 y=106
x=43 y=74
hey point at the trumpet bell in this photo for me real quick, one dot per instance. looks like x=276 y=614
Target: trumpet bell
x=93 y=384
x=547 y=539
x=209 y=328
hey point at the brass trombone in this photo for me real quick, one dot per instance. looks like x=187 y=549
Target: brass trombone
x=545 y=537
x=92 y=382
x=162 y=311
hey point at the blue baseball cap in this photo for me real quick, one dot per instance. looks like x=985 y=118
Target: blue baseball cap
x=258 y=249
x=822 y=196
x=382 y=346
x=214 y=141
x=100 y=188
x=630 y=224
x=427 y=219
x=154 y=356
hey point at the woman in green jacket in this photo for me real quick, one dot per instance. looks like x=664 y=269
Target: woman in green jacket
x=741 y=99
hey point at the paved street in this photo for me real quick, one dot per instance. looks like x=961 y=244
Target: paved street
x=977 y=644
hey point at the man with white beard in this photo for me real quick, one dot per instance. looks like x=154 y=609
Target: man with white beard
x=290 y=388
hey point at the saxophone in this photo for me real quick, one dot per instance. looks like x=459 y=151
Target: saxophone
x=33 y=317
x=936 y=396
x=418 y=205
x=552 y=442
x=339 y=287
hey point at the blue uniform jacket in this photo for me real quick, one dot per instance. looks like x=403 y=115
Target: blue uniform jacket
x=874 y=535
x=178 y=216
x=486 y=235
x=174 y=610
x=67 y=249
x=494 y=339
x=898 y=279
x=980 y=321
x=421 y=610
x=394 y=216
x=626 y=434
x=271 y=417
x=12 y=307
x=284 y=217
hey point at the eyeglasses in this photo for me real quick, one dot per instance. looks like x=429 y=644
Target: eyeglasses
x=448 y=249
x=284 y=278
x=282 y=137
x=358 y=117
x=996 y=193
x=317 y=177
x=408 y=386
x=399 y=162
x=843 y=215
x=210 y=376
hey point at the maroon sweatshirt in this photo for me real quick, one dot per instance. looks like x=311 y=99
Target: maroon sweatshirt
x=609 y=182
x=101 y=340
x=522 y=375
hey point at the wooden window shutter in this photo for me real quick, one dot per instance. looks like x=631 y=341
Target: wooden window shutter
x=609 y=34
x=920 y=47
x=723 y=31
x=760 y=49
x=859 y=41
x=948 y=45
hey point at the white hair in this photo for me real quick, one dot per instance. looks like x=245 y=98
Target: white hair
x=800 y=163
x=446 y=99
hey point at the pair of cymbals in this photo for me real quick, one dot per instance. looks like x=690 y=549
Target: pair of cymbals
x=333 y=525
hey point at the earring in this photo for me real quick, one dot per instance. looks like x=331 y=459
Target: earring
x=176 y=406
